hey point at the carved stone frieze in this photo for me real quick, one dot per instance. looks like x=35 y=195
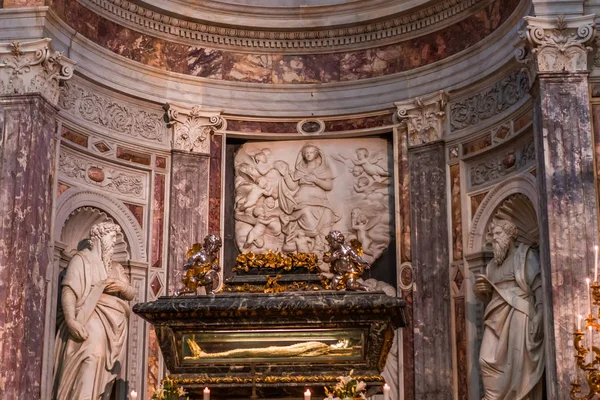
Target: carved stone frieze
x=424 y=117
x=33 y=67
x=558 y=44
x=356 y=36
x=192 y=127
x=92 y=172
x=115 y=116
x=503 y=162
x=490 y=102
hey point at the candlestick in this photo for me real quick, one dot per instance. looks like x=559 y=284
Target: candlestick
x=386 y=392
x=133 y=395
x=206 y=394
x=596 y=263
x=589 y=296
x=307 y=395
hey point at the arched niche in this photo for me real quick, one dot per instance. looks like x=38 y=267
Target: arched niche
x=86 y=201
x=78 y=225
x=502 y=201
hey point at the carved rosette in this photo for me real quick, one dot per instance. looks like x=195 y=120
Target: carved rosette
x=33 y=67
x=556 y=44
x=424 y=117
x=192 y=127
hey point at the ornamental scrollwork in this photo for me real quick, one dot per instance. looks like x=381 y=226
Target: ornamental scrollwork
x=117 y=117
x=97 y=175
x=492 y=101
x=33 y=67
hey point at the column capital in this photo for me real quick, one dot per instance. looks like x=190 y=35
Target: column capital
x=561 y=44
x=33 y=67
x=424 y=117
x=192 y=126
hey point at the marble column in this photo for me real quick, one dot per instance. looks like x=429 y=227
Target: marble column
x=424 y=119
x=555 y=53
x=190 y=190
x=29 y=79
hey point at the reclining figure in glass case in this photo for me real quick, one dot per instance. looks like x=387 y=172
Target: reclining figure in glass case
x=202 y=266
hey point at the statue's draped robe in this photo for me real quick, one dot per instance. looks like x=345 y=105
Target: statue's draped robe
x=511 y=359
x=86 y=370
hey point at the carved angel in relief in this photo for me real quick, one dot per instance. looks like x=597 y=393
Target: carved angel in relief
x=363 y=162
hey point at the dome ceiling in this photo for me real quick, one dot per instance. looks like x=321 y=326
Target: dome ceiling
x=288 y=14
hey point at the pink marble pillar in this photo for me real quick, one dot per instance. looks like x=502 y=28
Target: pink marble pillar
x=27 y=132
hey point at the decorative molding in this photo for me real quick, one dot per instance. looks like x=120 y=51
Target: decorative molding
x=191 y=127
x=116 y=116
x=100 y=175
x=205 y=34
x=424 y=117
x=490 y=102
x=505 y=161
x=32 y=67
x=311 y=127
x=558 y=44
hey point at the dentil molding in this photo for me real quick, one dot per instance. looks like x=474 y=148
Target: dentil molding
x=33 y=67
x=424 y=117
x=192 y=127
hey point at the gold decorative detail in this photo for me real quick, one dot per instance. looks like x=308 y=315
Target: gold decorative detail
x=270 y=379
x=276 y=261
x=346 y=263
x=272 y=286
x=202 y=266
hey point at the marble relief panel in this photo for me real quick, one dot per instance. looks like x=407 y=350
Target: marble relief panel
x=289 y=195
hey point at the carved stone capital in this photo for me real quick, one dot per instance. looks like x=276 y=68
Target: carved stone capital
x=33 y=67
x=557 y=44
x=424 y=117
x=192 y=127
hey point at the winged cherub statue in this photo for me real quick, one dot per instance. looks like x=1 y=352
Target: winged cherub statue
x=202 y=266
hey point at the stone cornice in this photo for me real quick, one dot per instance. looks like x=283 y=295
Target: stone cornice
x=187 y=30
x=33 y=67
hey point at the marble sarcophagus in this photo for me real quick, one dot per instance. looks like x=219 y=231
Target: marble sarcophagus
x=274 y=345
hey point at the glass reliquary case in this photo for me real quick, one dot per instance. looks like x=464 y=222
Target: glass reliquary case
x=270 y=346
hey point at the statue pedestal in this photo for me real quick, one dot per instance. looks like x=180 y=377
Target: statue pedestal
x=274 y=345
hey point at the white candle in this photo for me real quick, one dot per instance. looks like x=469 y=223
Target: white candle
x=386 y=392
x=589 y=296
x=133 y=395
x=206 y=394
x=596 y=263
x=579 y=318
x=307 y=395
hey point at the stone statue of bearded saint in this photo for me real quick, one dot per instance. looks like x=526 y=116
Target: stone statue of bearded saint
x=92 y=330
x=512 y=354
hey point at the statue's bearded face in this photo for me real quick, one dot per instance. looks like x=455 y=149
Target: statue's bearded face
x=108 y=248
x=500 y=244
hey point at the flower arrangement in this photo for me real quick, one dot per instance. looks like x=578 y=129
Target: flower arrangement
x=168 y=390
x=347 y=388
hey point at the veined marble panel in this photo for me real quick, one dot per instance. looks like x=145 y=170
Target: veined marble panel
x=289 y=195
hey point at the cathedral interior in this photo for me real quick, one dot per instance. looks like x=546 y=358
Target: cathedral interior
x=285 y=199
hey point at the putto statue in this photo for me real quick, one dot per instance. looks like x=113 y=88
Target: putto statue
x=346 y=264
x=202 y=266
x=512 y=354
x=92 y=327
